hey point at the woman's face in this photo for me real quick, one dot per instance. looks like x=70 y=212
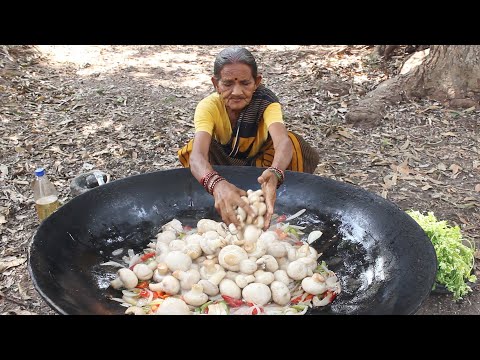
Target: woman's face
x=236 y=85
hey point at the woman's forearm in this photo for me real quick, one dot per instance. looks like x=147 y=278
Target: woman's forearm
x=199 y=166
x=283 y=153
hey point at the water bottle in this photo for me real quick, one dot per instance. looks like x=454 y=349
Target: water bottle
x=45 y=194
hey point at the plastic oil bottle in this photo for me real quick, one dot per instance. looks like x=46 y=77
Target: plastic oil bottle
x=45 y=194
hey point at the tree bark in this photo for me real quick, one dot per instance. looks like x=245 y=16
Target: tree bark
x=450 y=74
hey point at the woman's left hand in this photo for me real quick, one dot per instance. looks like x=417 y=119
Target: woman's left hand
x=268 y=180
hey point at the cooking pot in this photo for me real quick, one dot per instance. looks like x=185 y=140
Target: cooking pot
x=384 y=260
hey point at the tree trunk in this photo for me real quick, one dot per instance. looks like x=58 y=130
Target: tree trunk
x=450 y=74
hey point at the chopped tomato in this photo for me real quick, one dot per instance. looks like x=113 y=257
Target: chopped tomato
x=331 y=294
x=255 y=311
x=299 y=298
x=142 y=285
x=281 y=218
x=281 y=234
x=232 y=302
x=187 y=228
x=144 y=293
x=147 y=256
x=158 y=294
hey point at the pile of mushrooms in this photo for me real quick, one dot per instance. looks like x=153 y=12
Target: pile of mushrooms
x=244 y=263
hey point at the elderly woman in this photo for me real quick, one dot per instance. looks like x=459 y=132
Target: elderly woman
x=242 y=124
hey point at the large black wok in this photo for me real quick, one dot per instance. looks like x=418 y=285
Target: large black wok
x=386 y=263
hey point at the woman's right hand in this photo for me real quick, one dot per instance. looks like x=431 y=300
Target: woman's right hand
x=227 y=199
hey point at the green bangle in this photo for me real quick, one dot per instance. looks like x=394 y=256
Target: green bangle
x=279 y=177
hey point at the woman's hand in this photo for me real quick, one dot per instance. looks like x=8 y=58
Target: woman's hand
x=269 y=181
x=227 y=199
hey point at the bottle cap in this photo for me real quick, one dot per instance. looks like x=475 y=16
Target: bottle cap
x=40 y=172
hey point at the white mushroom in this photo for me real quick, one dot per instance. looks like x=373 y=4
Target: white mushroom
x=242 y=214
x=211 y=243
x=243 y=280
x=233 y=229
x=261 y=207
x=248 y=266
x=281 y=275
x=166 y=237
x=177 y=260
x=311 y=263
x=134 y=310
x=280 y=293
x=143 y=272
x=170 y=285
x=314 y=285
x=152 y=264
x=174 y=225
x=283 y=263
x=193 y=250
x=306 y=251
x=196 y=296
x=256 y=293
x=173 y=306
x=268 y=263
x=231 y=256
x=177 y=245
x=256 y=250
x=276 y=249
x=230 y=288
x=268 y=236
x=212 y=272
x=209 y=288
x=193 y=239
x=291 y=252
x=200 y=260
x=160 y=272
x=126 y=278
x=231 y=275
x=264 y=277
x=187 y=278
x=161 y=250
x=297 y=270
x=205 y=225
x=259 y=222
x=251 y=233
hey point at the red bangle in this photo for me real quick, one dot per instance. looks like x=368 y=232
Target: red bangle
x=214 y=183
x=206 y=178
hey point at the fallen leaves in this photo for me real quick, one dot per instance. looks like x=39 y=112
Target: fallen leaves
x=10 y=261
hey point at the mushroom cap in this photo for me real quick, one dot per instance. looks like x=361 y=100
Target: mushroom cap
x=231 y=256
x=257 y=293
x=128 y=277
x=280 y=293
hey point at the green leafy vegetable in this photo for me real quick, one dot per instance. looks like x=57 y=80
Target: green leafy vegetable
x=455 y=260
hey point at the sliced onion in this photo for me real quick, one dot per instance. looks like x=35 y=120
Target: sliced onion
x=117 y=252
x=297 y=214
x=130 y=293
x=112 y=263
x=117 y=300
x=298 y=227
x=314 y=235
x=134 y=260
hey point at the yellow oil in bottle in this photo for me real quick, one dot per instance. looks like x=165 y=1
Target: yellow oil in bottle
x=46 y=206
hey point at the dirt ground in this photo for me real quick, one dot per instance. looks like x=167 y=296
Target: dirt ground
x=126 y=110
